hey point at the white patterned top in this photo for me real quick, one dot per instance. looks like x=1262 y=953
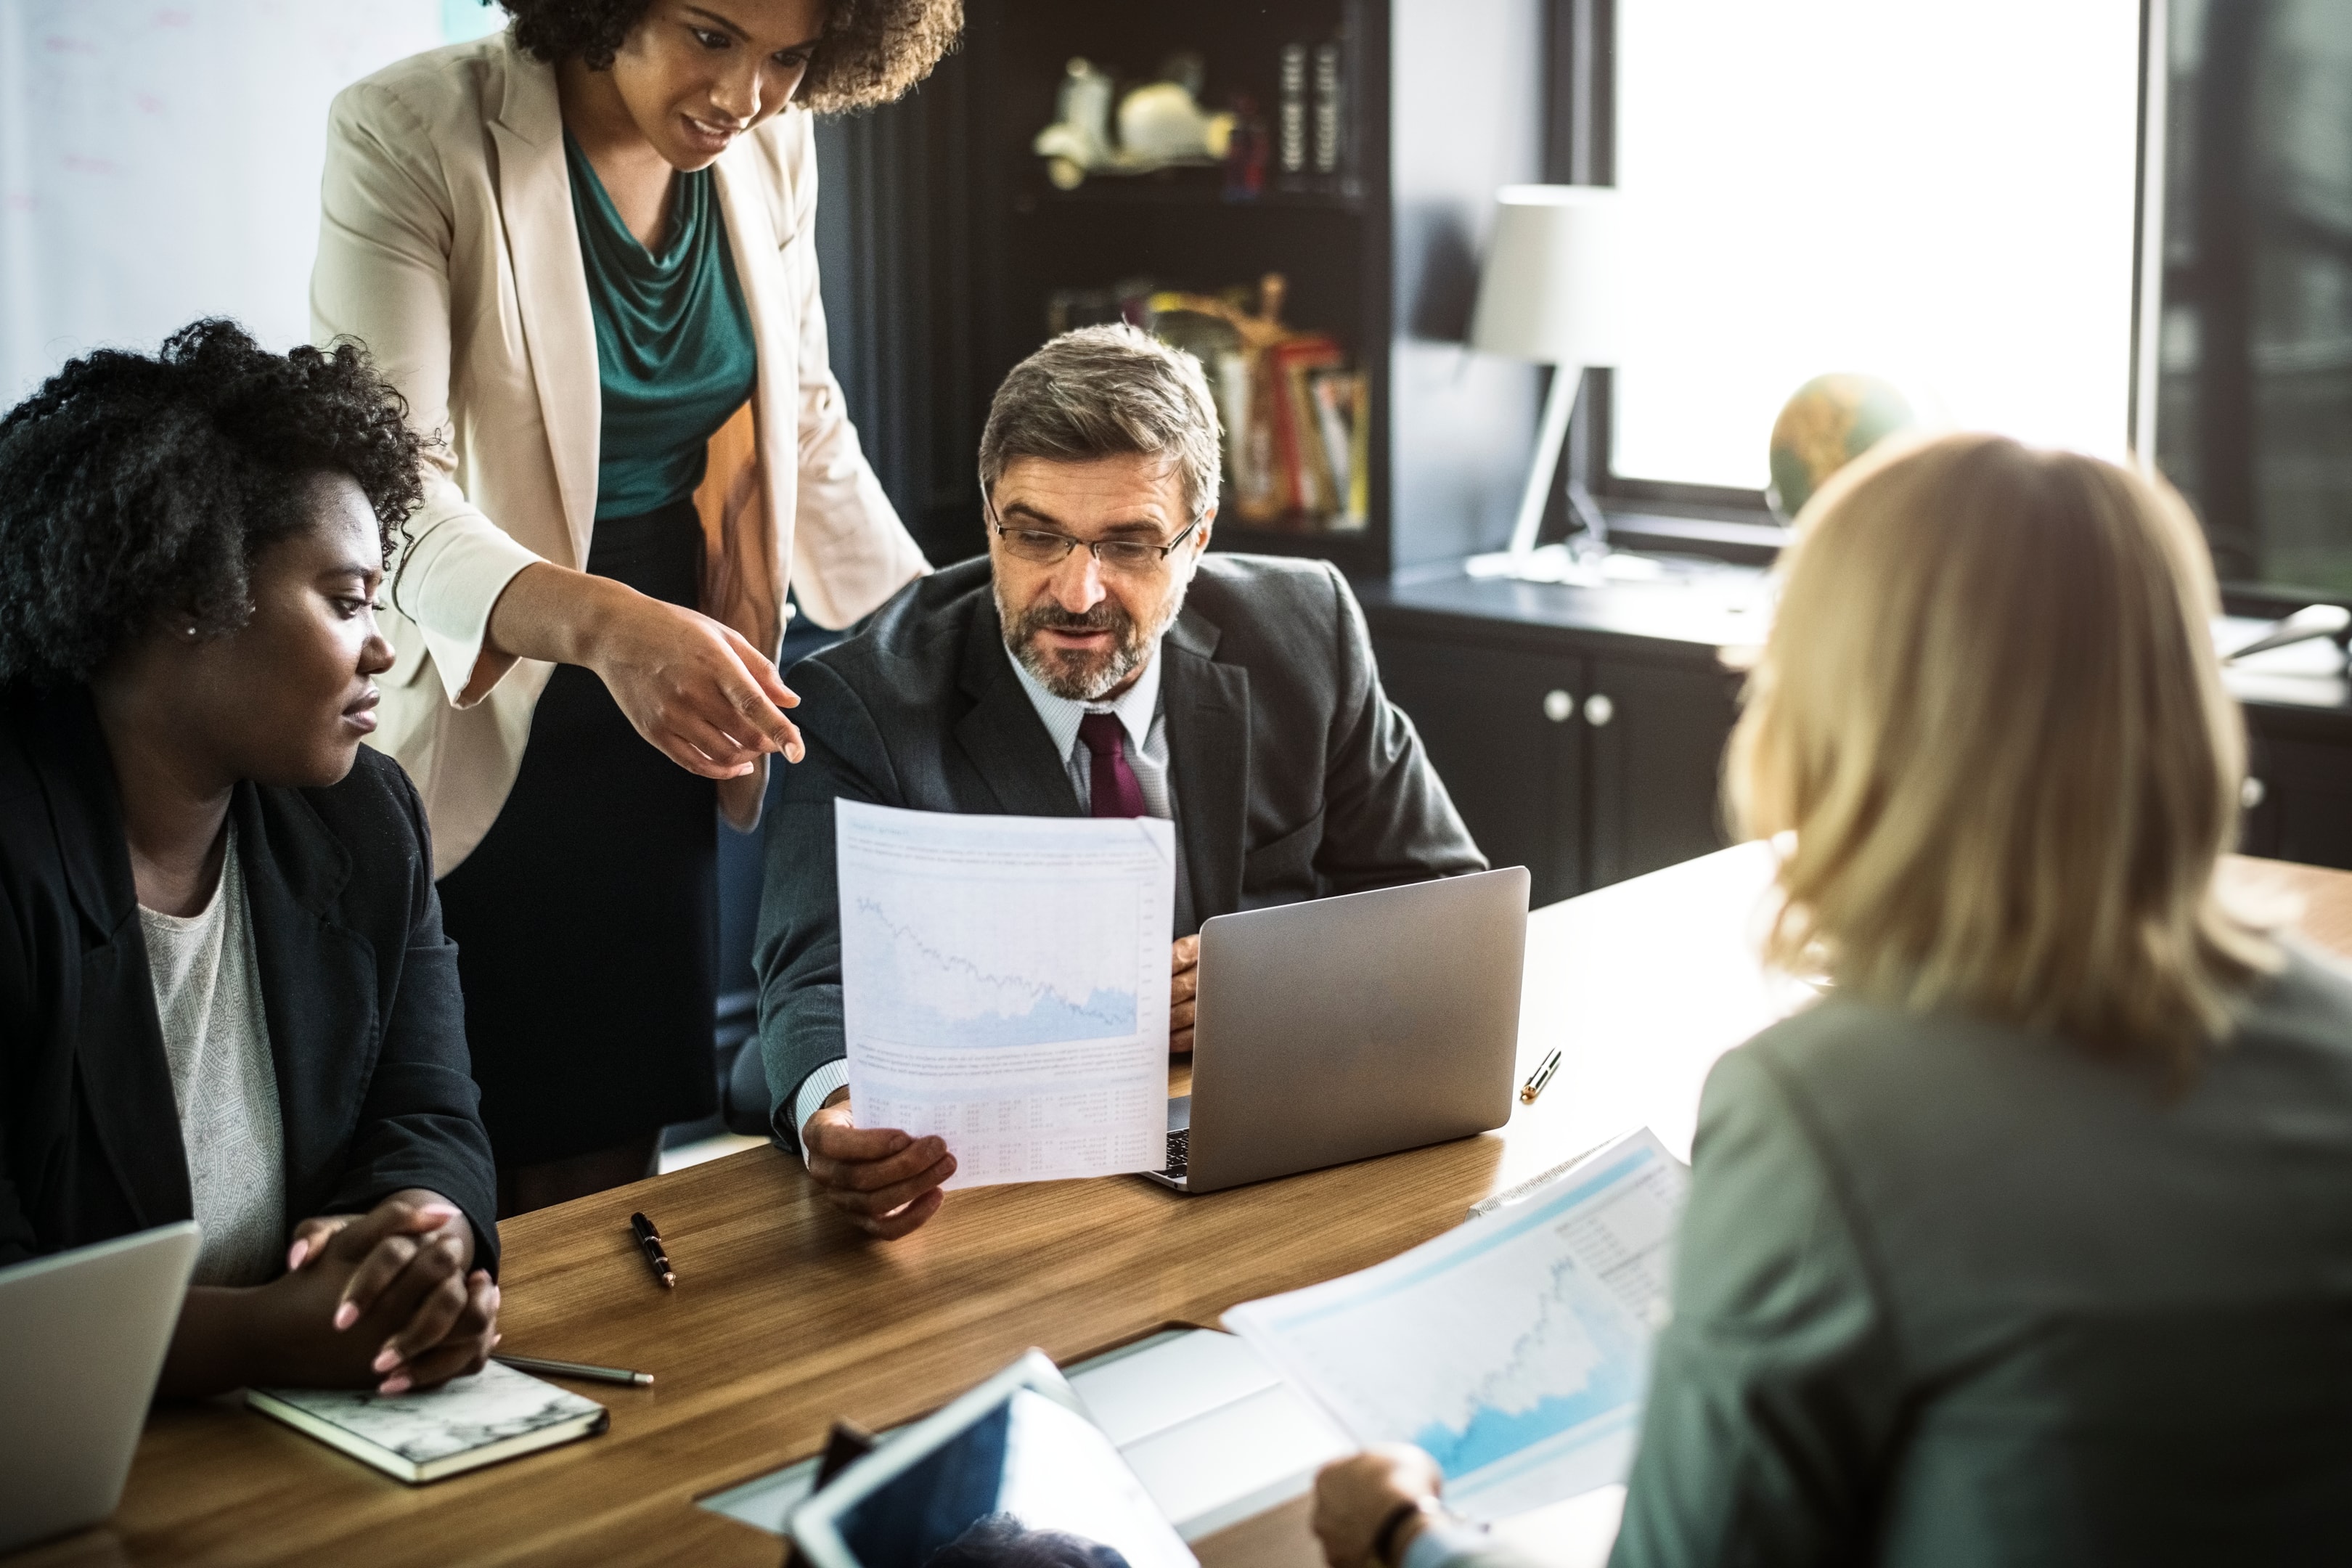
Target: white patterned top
x=208 y=999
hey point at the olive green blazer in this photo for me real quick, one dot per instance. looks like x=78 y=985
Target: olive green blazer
x=1951 y=1292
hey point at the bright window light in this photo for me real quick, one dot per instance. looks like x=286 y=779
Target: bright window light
x=1937 y=194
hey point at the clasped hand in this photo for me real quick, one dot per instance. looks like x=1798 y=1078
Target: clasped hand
x=389 y=1298
x=407 y=1306
x=889 y=1182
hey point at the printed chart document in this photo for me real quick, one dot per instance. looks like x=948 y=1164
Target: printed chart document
x=1004 y=985
x=1515 y=1348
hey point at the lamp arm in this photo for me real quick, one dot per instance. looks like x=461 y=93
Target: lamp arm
x=1559 y=403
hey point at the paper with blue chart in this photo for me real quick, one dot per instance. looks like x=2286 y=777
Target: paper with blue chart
x=1515 y=1348
x=1004 y=985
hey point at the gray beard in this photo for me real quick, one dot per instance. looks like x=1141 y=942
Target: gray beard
x=1075 y=680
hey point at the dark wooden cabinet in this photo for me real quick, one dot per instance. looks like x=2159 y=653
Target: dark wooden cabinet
x=2299 y=787
x=944 y=244
x=1505 y=729
x=1581 y=730
x=1585 y=755
x=1655 y=750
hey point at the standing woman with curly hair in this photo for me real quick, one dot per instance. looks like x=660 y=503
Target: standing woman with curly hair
x=585 y=250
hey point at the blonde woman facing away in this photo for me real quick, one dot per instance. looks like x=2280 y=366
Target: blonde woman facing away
x=2033 y=1243
x=585 y=250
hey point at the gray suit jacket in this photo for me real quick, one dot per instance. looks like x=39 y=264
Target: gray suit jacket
x=1956 y=1293
x=1293 y=776
x=1951 y=1293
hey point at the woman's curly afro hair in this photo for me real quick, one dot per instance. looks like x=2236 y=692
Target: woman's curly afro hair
x=872 y=51
x=134 y=487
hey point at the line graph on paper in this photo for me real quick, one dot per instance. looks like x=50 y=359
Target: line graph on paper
x=1514 y=1351
x=955 y=968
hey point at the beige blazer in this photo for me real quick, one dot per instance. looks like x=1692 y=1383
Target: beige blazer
x=446 y=245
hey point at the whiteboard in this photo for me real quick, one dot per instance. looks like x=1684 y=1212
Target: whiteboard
x=160 y=160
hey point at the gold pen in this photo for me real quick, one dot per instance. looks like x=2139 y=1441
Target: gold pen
x=1535 y=1085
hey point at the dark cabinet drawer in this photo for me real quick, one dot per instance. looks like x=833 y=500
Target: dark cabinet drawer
x=1654 y=768
x=1584 y=767
x=1504 y=733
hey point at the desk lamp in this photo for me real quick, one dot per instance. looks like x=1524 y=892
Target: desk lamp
x=1550 y=294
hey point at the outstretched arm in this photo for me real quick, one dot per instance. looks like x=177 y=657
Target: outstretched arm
x=885 y=1181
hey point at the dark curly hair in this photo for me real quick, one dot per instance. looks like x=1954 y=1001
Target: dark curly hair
x=132 y=487
x=872 y=52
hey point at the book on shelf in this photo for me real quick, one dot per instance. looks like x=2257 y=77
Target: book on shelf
x=1306 y=487
x=1290 y=113
x=1330 y=106
x=1339 y=404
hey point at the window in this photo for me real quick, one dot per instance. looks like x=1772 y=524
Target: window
x=2253 y=411
x=1941 y=196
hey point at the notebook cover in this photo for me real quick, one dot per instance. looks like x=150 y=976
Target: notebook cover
x=466 y=1422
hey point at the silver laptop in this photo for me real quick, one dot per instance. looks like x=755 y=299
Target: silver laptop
x=82 y=1337
x=1351 y=1026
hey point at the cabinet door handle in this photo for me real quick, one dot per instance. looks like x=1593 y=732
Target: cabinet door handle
x=2251 y=794
x=1598 y=709
x=1559 y=706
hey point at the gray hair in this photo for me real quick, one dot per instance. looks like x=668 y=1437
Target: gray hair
x=1106 y=392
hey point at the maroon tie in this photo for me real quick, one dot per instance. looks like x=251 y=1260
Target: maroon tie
x=1116 y=790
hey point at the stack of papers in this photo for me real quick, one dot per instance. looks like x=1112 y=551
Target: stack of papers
x=1515 y=1348
x=1210 y=1429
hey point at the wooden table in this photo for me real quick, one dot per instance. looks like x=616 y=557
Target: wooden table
x=784 y=1319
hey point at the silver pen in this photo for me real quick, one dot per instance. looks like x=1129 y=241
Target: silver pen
x=577 y=1369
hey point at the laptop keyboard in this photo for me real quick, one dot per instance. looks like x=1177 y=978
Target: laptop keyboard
x=1179 y=1150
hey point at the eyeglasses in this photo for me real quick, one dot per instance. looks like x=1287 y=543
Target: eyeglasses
x=1133 y=556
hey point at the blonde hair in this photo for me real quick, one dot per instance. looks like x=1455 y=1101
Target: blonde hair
x=1990 y=714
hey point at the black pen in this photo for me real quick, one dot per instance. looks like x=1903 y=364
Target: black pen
x=1535 y=1085
x=649 y=1241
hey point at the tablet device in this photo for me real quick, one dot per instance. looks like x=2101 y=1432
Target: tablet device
x=1012 y=1475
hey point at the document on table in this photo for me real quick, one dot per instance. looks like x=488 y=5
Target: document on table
x=1514 y=1348
x=1004 y=985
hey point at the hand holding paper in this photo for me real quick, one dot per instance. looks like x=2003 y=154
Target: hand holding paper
x=1005 y=988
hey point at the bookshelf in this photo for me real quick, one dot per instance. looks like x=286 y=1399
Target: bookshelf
x=944 y=243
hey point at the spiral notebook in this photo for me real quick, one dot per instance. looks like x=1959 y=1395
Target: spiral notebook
x=466 y=1422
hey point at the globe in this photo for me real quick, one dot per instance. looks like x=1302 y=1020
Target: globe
x=1831 y=421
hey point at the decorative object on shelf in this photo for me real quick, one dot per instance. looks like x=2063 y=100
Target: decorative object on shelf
x=1160 y=125
x=1549 y=295
x=1296 y=416
x=1830 y=422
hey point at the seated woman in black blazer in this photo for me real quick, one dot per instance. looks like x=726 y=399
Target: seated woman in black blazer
x=224 y=989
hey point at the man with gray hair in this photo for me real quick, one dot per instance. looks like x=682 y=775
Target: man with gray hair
x=1096 y=661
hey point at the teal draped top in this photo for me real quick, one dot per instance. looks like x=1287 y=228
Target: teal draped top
x=675 y=355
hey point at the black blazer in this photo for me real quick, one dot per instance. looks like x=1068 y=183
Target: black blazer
x=358 y=985
x=1293 y=776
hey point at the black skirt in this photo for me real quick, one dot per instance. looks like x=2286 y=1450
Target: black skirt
x=587 y=920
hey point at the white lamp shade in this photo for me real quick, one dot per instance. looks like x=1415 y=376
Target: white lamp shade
x=1549 y=292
